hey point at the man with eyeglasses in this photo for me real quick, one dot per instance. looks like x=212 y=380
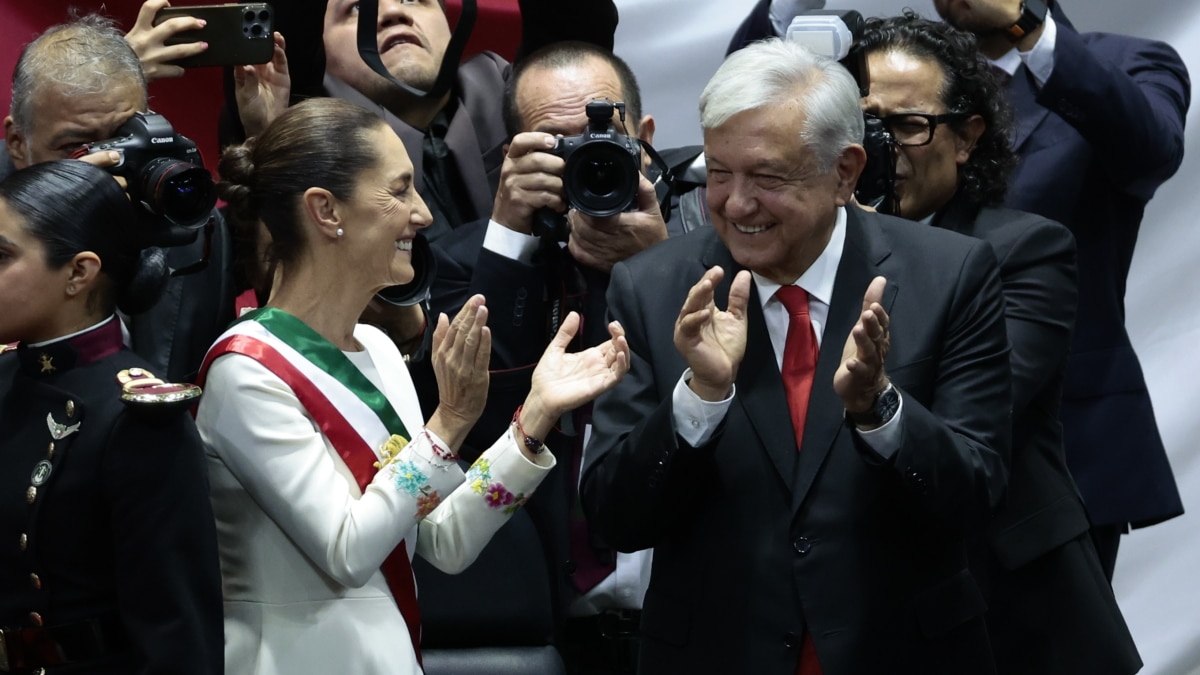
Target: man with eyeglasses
x=1100 y=127
x=1051 y=609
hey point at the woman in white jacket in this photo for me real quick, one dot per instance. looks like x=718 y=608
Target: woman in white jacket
x=325 y=478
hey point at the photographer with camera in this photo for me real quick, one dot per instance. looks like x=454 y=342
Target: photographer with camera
x=574 y=114
x=79 y=91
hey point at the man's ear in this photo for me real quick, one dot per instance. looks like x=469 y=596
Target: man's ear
x=848 y=167
x=646 y=129
x=324 y=209
x=16 y=144
x=82 y=272
x=966 y=137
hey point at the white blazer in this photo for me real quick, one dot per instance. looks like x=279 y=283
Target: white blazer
x=301 y=545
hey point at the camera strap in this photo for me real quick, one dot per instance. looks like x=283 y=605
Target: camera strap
x=663 y=176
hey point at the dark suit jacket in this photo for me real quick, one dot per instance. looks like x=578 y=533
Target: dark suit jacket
x=756 y=542
x=121 y=530
x=1095 y=143
x=1050 y=607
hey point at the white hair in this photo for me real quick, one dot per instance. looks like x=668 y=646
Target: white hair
x=775 y=70
x=86 y=55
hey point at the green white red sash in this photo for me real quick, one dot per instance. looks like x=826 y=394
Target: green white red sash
x=349 y=409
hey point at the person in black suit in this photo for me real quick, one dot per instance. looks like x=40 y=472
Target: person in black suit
x=1100 y=126
x=844 y=552
x=108 y=560
x=529 y=281
x=1050 y=607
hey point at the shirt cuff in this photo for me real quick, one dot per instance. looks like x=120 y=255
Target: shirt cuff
x=510 y=243
x=696 y=419
x=1039 y=61
x=885 y=439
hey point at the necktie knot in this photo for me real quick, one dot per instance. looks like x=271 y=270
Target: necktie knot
x=795 y=299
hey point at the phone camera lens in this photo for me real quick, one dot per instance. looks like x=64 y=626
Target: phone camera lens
x=256 y=30
x=264 y=16
x=249 y=16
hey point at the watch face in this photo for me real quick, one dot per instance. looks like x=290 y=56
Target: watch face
x=888 y=404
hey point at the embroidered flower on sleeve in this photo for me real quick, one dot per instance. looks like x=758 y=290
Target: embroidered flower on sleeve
x=409 y=478
x=427 y=502
x=498 y=496
x=479 y=476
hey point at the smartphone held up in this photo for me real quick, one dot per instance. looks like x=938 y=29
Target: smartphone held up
x=237 y=34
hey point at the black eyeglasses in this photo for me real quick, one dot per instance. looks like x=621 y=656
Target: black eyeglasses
x=915 y=129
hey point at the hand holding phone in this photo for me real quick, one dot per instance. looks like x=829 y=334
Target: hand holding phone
x=232 y=35
x=149 y=40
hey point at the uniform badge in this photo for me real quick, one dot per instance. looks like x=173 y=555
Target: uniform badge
x=41 y=473
x=47 y=362
x=60 y=431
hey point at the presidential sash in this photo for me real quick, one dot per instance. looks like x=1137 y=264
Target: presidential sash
x=350 y=411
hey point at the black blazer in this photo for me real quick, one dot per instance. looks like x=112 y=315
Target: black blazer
x=756 y=542
x=1095 y=143
x=1050 y=608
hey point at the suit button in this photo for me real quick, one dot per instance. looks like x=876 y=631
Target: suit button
x=35 y=618
x=31 y=495
x=791 y=640
x=802 y=545
x=35 y=581
x=23 y=541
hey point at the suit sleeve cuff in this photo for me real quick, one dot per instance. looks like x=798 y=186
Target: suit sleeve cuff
x=885 y=440
x=510 y=243
x=694 y=418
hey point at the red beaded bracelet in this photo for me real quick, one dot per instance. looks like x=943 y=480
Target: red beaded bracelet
x=532 y=444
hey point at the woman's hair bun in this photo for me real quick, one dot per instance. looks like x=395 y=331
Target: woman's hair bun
x=237 y=178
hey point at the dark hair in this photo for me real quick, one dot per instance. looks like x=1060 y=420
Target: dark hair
x=969 y=86
x=71 y=207
x=321 y=142
x=570 y=53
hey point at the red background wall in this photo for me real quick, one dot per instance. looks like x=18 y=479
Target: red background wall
x=193 y=102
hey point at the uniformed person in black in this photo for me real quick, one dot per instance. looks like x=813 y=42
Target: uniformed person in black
x=108 y=557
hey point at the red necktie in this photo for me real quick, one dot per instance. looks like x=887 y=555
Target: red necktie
x=799 y=364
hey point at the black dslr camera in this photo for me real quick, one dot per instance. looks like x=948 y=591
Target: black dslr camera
x=165 y=176
x=602 y=171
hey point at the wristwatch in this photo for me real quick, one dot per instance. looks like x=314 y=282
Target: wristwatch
x=887 y=402
x=1033 y=14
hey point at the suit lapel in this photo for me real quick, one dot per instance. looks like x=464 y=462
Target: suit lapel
x=861 y=256
x=1027 y=111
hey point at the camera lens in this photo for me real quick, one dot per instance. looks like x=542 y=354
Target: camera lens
x=264 y=16
x=256 y=30
x=601 y=178
x=181 y=192
x=249 y=16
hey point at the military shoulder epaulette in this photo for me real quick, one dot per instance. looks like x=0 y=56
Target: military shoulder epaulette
x=153 y=399
x=4 y=349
